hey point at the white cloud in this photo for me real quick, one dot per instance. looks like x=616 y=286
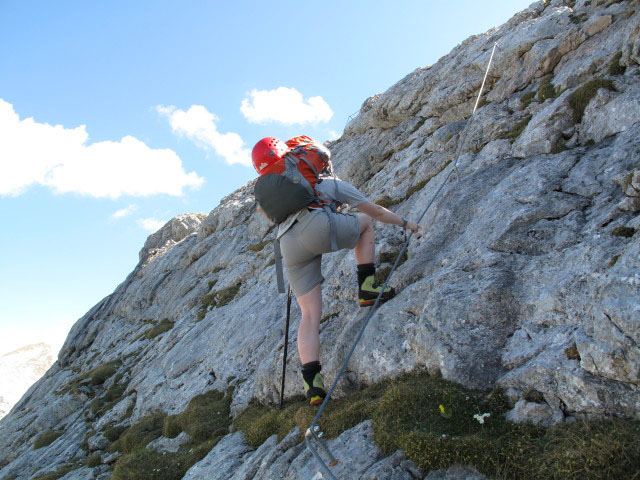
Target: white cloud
x=199 y=126
x=60 y=158
x=333 y=135
x=151 y=224
x=286 y=106
x=125 y=211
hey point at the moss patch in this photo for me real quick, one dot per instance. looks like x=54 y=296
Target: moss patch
x=626 y=232
x=112 y=433
x=614 y=67
x=217 y=299
x=381 y=275
x=206 y=416
x=256 y=247
x=46 y=438
x=613 y=261
x=546 y=90
x=572 y=353
x=559 y=147
x=164 y=326
x=390 y=257
x=526 y=99
x=206 y=419
x=407 y=414
x=146 y=464
x=518 y=128
x=59 y=473
x=94 y=460
x=386 y=201
x=579 y=99
x=138 y=435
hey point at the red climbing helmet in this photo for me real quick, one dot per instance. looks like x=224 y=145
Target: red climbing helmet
x=266 y=152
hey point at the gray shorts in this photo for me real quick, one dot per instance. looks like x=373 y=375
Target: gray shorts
x=305 y=242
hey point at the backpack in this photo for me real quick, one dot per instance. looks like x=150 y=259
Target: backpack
x=288 y=185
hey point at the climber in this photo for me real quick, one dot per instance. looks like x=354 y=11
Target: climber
x=306 y=234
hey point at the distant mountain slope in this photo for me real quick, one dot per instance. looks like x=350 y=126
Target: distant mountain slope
x=19 y=370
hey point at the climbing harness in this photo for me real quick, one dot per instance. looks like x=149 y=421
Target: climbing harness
x=313 y=433
x=286 y=342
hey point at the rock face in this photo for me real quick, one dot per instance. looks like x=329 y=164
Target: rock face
x=526 y=275
x=19 y=369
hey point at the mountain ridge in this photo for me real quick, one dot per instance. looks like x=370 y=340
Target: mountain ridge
x=527 y=272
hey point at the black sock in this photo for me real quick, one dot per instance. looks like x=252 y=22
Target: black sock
x=365 y=270
x=309 y=371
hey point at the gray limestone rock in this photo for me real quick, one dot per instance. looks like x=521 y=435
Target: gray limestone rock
x=169 y=445
x=520 y=277
x=536 y=413
x=456 y=472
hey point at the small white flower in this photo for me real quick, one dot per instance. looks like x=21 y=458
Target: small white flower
x=480 y=418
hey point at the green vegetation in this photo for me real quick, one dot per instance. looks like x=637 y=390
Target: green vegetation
x=328 y=316
x=164 y=326
x=518 y=128
x=94 y=377
x=211 y=283
x=147 y=429
x=526 y=99
x=206 y=419
x=270 y=262
x=433 y=421
x=572 y=353
x=589 y=143
x=386 y=201
x=546 y=89
x=94 y=460
x=202 y=418
x=46 y=438
x=417 y=187
x=533 y=395
x=59 y=473
x=559 y=147
x=580 y=98
x=613 y=261
x=217 y=299
x=382 y=274
x=256 y=247
x=626 y=232
x=614 y=67
x=390 y=257
x=112 y=433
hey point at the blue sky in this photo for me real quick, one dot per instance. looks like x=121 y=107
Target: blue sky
x=116 y=116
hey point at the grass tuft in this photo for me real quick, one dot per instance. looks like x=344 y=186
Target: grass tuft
x=546 y=90
x=579 y=99
x=518 y=128
x=613 y=261
x=572 y=353
x=164 y=326
x=216 y=299
x=205 y=417
x=626 y=232
x=138 y=435
x=94 y=460
x=256 y=247
x=526 y=99
x=614 y=67
x=46 y=438
x=408 y=413
x=386 y=201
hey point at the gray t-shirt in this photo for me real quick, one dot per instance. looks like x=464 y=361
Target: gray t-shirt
x=336 y=190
